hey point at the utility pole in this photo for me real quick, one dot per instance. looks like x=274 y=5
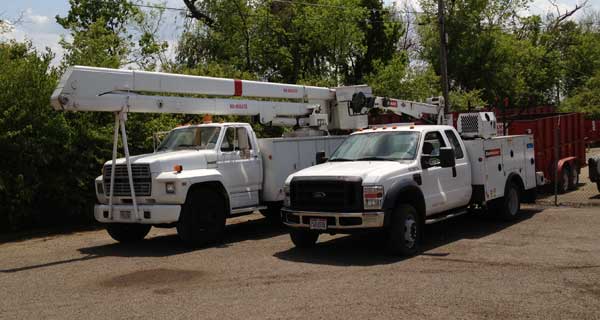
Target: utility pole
x=443 y=58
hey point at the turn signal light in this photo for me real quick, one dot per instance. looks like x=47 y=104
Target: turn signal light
x=178 y=168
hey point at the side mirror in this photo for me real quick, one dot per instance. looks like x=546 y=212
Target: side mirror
x=425 y=161
x=447 y=159
x=320 y=157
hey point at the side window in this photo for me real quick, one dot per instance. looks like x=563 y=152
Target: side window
x=458 y=151
x=433 y=142
x=229 y=140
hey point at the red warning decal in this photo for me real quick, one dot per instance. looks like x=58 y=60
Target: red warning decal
x=290 y=90
x=237 y=87
x=393 y=104
x=493 y=153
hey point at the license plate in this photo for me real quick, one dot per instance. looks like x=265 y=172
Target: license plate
x=125 y=215
x=318 y=224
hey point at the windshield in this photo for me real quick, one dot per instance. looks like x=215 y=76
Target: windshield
x=193 y=138
x=378 y=146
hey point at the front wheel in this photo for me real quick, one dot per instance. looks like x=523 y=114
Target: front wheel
x=303 y=238
x=127 y=232
x=404 y=233
x=202 y=218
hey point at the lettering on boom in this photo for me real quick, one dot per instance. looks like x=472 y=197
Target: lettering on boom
x=238 y=106
x=290 y=90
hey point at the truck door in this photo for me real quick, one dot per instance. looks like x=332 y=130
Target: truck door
x=435 y=179
x=459 y=184
x=240 y=166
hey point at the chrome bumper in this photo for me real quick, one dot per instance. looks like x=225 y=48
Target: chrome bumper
x=335 y=220
x=147 y=214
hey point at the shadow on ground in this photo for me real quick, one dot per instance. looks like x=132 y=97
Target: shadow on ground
x=168 y=245
x=369 y=249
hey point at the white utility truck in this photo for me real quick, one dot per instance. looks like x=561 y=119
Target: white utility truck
x=201 y=174
x=397 y=178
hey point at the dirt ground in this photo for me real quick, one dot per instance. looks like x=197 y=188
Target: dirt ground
x=545 y=266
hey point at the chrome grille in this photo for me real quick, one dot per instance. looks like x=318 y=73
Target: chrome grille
x=142 y=180
x=326 y=195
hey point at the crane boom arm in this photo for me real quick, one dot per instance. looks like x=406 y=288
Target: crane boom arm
x=114 y=90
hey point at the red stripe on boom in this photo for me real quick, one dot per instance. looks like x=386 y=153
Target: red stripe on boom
x=237 y=87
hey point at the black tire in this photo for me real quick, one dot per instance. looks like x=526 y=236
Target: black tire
x=598 y=185
x=202 y=218
x=272 y=213
x=574 y=178
x=564 y=180
x=127 y=232
x=509 y=206
x=404 y=233
x=304 y=238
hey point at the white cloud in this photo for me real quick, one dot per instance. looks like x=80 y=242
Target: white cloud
x=34 y=18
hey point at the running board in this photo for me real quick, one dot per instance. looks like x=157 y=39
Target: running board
x=247 y=209
x=442 y=218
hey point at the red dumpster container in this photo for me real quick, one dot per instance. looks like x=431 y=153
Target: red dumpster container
x=571 y=142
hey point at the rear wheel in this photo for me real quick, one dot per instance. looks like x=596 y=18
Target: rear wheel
x=404 y=233
x=574 y=178
x=303 y=238
x=272 y=213
x=127 y=232
x=202 y=218
x=508 y=207
x=564 y=180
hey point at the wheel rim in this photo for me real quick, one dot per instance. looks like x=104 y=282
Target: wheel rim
x=410 y=231
x=513 y=202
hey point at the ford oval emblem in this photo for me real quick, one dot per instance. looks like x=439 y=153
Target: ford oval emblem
x=319 y=195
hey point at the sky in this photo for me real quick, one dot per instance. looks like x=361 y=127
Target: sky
x=39 y=24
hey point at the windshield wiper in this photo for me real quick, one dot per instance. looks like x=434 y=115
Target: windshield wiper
x=340 y=159
x=373 y=159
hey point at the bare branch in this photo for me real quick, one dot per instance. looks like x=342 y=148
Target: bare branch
x=563 y=16
x=196 y=14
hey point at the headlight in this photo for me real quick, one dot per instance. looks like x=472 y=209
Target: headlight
x=100 y=187
x=373 y=197
x=170 y=187
x=286 y=199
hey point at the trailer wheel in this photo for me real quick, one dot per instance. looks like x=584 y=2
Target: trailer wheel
x=564 y=180
x=303 y=238
x=404 y=233
x=508 y=207
x=202 y=218
x=574 y=178
x=127 y=232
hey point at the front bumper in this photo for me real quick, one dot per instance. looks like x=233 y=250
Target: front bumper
x=335 y=220
x=147 y=214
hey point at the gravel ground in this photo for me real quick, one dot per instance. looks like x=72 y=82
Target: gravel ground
x=545 y=266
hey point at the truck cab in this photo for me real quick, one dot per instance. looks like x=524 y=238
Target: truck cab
x=200 y=175
x=396 y=178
